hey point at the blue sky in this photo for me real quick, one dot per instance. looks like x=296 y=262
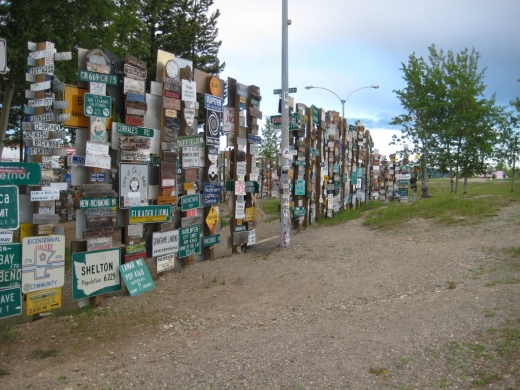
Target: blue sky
x=344 y=45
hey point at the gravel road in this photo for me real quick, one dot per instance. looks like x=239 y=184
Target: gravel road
x=343 y=307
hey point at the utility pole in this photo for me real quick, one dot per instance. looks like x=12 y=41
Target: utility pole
x=285 y=234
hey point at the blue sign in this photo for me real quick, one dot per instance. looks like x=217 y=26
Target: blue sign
x=212 y=194
x=242 y=90
x=78 y=160
x=213 y=103
x=136 y=97
x=254 y=139
x=98 y=177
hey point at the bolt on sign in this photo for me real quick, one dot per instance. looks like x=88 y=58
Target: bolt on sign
x=95 y=273
x=44 y=300
x=189 y=202
x=164 y=263
x=189 y=241
x=43 y=263
x=10 y=302
x=20 y=173
x=10 y=265
x=137 y=277
x=146 y=214
x=9 y=216
x=212 y=219
x=98 y=106
x=165 y=243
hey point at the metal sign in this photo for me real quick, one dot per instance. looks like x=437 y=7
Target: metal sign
x=211 y=240
x=212 y=219
x=9 y=213
x=44 y=300
x=10 y=265
x=196 y=140
x=146 y=214
x=133 y=184
x=97 y=77
x=189 y=241
x=165 y=263
x=165 y=243
x=10 y=302
x=134 y=130
x=97 y=105
x=137 y=277
x=43 y=262
x=95 y=273
x=189 y=202
x=19 y=173
x=212 y=193
x=190 y=157
x=213 y=102
x=44 y=195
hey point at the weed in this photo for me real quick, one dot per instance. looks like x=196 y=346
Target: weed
x=378 y=371
x=513 y=280
x=62 y=378
x=443 y=384
x=404 y=360
x=41 y=354
x=223 y=282
x=493 y=283
x=452 y=285
x=4 y=372
x=490 y=314
x=308 y=296
x=8 y=335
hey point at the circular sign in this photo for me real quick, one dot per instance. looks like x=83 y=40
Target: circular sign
x=213 y=173
x=213 y=124
x=172 y=69
x=214 y=86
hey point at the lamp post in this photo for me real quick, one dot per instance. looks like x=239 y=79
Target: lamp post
x=340 y=99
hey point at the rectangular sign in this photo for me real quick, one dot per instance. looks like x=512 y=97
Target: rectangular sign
x=43 y=262
x=95 y=273
x=212 y=193
x=211 y=240
x=97 y=105
x=190 y=157
x=10 y=302
x=196 y=140
x=189 y=241
x=97 y=77
x=10 y=265
x=96 y=161
x=97 y=148
x=133 y=85
x=146 y=214
x=19 y=173
x=121 y=128
x=189 y=202
x=137 y=277
x=45 y=195
x=213 y=102
x=9 y=210
x=44 y=300
x=97 y=202
x=165 y=263
x=165 y=243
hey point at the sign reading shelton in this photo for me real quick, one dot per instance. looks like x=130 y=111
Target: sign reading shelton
x=145 y=214
x=95 y=273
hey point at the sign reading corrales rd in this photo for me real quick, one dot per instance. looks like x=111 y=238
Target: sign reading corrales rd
x=121 y=128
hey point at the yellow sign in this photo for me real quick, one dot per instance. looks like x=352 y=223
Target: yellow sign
x=212 y=219
x=250 y=213
x=26 y=230
x=188 y=186
x=214 y=86
x=43 y=300
x=76 y=97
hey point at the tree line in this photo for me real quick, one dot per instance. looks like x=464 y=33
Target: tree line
x=449 y=122
x=187 y=28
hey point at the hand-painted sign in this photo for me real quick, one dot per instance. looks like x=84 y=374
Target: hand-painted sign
x=95 y=273
x=43 y=262
x=97 y=161
x=165 y=263
x=189 y=89
x=189 y=241
x=19 y=173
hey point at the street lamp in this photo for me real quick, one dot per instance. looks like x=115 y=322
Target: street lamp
x=340 y=99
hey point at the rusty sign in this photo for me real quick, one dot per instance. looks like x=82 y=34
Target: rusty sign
x=134 y=61
x=134 y=72
x=134 y=120
x=174 y=104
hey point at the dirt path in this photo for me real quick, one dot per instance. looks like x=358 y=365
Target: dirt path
x=343 y=308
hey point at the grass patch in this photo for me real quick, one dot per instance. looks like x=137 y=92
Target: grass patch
x=4 y=372
x=8 y=335
x=269 y=206
x=452 y=285
x=348 y=215
x=483 y=200
x=43 y=354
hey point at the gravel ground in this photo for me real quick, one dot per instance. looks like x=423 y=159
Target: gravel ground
x=343 y=307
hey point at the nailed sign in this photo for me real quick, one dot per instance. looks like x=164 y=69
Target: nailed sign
x=145 y=214
x=165 y=243
x=97 y=105
x=189 y=241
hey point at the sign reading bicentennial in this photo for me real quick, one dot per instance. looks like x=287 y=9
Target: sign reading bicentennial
x=10 y=265
x=43 y=262
x=9 y=217
x=20 y=173
x=95 y=273
x=137 y=277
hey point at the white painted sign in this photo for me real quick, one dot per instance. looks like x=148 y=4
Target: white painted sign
x=40 y=102
x=189 y=91
x=135 y=155
x=189 y=116
x=40 y=126
x=133 y=85
x=6 y=236
x=43 y=262
x=254 y=149
x=47 y=143
x=59 y=186
x=99 y=271
x=228 y=120
x=165 y=263
x=98 y=148
x=96 y=161
x=240 y=210
x=251 y=240
x=41 y=86
x=44 y=195
x=3 y=56
x=190 y=157
x=98 y=88
x=165 y=243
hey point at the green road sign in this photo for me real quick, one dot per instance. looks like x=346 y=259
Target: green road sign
x=315 y=115
x=20 y=173
x=10 y=302
x=193 y=140
x=150 y=214
x=212 y=240
x=189 y=241
x=294 y=121
x=240 y=228
x=279 y=91
x=9 y=208
x=121 y=128
x=189 y=202
x=95 y=273
x=298 y=212
x=10 y=265
x=94 y=203
x=299 y=188
x=252 y=187
x=95 y=77
x=137 y=277
x=97 y=105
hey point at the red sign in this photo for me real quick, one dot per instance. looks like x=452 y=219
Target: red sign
x=134 y=120
x=135 y=256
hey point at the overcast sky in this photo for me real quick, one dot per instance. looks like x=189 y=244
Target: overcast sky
x=343 y=45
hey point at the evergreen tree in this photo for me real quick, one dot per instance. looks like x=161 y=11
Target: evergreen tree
x=270 y=148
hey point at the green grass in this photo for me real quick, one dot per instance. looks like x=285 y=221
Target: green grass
x=269 y=206
x=43 y=354
x=482 y=201
x=348 y=215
